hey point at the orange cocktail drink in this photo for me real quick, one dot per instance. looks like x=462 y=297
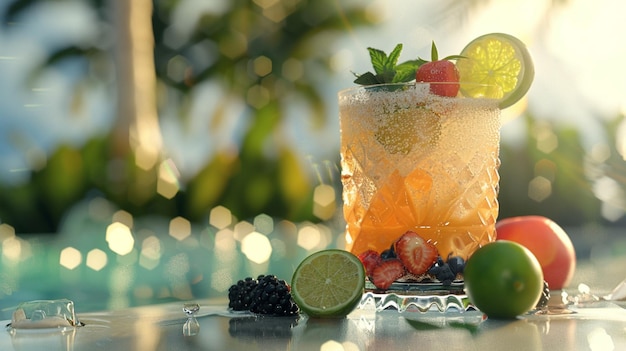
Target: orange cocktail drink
x=413 y=160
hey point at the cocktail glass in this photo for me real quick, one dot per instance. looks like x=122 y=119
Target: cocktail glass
x=414 y=160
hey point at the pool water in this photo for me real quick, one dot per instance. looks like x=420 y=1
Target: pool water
x=111 y=263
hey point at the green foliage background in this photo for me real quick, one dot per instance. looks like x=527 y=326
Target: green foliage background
x=253 y=181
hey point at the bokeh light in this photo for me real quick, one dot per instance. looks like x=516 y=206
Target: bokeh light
x=96 y=259
x=180 y=228
x=256 y=247
x=168 y=184
x=539 y=188
x=262 y=66
x=123 y=217
x=547 y=140
x=225 y=240
x=119 y=238
x=242 y=229
x=263 y=224
x=309 y=237
x=221 y=280
x=613 y=198
x=13 y=248
x=220 y=217
x=150 y=255
x=292 y=69
x=324 y=202
x=6 y=231
x=70 y=258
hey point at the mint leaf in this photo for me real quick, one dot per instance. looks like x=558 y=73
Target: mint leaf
x=387 y=69
x=366 y=79
x=392 y=60
x=405 y=72
x=379 y=59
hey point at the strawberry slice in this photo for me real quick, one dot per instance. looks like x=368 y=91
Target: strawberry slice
x=370 y=260
x=387 y=272
x=417 y=254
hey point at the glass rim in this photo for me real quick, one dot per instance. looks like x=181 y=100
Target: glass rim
x=414 y=84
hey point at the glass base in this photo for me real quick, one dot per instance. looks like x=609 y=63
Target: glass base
x=417 y=297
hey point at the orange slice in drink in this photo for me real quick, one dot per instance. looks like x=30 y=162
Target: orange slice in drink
x=391 y=213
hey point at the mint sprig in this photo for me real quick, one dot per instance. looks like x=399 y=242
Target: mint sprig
x=387 y=69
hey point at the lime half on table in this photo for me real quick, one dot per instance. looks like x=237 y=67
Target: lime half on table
x=496 y=60
x=328 y=283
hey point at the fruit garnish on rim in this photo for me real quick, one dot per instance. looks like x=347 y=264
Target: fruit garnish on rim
x=496 y=60
x=495 y=65
x=439 y=71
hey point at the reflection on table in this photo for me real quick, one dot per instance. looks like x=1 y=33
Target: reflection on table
x=599 y=325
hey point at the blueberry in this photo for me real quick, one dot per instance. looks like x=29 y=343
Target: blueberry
x=389 y=253
x=457 y=264
x=443 y=271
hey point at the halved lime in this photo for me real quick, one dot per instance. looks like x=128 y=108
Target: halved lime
x=328 y=283
x=496 y=60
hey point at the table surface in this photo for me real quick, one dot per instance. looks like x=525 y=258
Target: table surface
x=594 y=326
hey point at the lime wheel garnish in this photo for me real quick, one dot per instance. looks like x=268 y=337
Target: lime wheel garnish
x=328 y=283
x=497 y=66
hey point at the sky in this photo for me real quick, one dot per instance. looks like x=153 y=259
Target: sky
x=577 y=49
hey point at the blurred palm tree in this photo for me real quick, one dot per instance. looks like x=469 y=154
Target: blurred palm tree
x=260 y=53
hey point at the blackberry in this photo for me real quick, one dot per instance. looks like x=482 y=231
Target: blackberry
x=446 y=272
x=240 y=294
x=545 y=296
x=272 y=296
x=442 y=272
x=457 y=264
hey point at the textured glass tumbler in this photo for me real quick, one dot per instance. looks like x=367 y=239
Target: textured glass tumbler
x=413 y=160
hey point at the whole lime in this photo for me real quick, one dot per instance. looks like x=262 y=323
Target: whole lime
x=503 y=279
x=547 y=241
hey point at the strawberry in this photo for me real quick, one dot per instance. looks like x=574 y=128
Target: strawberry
x=370 y=260
x=387 y=272
x=437 y=71
x=417 y=254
